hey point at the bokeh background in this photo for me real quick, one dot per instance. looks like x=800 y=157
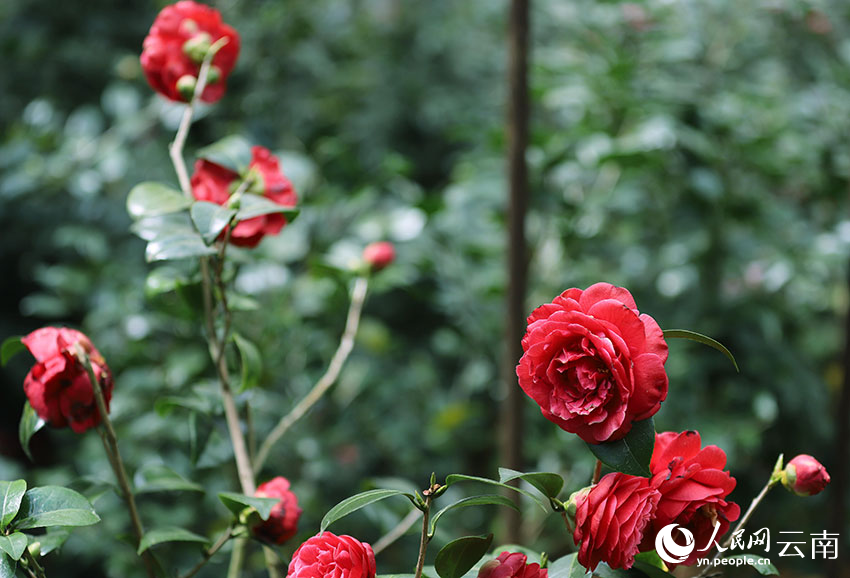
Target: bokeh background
x=694 y=152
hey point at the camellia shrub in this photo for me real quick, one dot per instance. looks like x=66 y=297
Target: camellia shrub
x=592 y=361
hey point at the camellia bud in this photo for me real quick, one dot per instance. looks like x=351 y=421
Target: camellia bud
x=572 y=505
x=197 y=47
x=186 y=86
x=805 y=476
x=213 y=75
x=379 y=255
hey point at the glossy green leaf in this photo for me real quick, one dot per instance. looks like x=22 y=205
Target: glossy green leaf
x=173 y=225
x=232 y=152
x=357 y=501
x=652 y=558
x=483 y=500
x=251 y=206
x=458 y=556
x=11 y=347
x=177 y=247
x=549 y=484
x=151 y=199
x=54 y=506
x=567 y=567
x=758 y=563
x=7 y=567
x=13 y=545
x=452 y=479
x=29 y=424
x=704 y=339
x=11 y=494
x=631 y=454
x=162 y=535
x=252 y=362
x=211 y=219
x=236 y=503
x=159 y=478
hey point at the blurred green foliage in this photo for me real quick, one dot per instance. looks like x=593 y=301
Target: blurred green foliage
x=694 y=152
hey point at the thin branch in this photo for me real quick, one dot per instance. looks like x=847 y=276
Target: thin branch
x=597 y=473
x=110 y=444
x=424 y=539
x=397 y=532
x=346 y=344
x=222 y=540
x=37 y=571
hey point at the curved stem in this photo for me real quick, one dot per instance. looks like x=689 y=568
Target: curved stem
x=110 y=444
x=346 y=344
x=33 y=567
x=597 y=473
x=222 y=540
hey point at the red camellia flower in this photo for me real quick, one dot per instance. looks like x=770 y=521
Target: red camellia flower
x=805 y=476
x=511 y=565
x=331 y=555
x=379 y=255
x=58 y=386
x=215 y=183
x=175 y=47
x=693 y=489
x=593 y=363
x=283 y=520
x=611 y=518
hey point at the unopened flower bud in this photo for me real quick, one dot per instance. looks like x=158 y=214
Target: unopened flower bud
x=805 y=476
x=379 y=255
x=186 y=86
x=213 y=75
x=197 y=47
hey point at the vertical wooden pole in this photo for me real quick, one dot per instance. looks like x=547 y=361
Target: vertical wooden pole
x=517 y=266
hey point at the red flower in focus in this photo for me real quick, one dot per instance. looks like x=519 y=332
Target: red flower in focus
x=593 y=363
x=58 y=386
x=215 y=183
x=331 y=555
x=611 y=518
x=511 y=565
x=693 y=489
x=805 y=476
x=175 y=47
x=379 y=255
x=283 y=520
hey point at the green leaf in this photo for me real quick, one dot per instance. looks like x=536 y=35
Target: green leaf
x=652 y=558
x=650 y=569
x=159 y=478
x=153 y=199
x=251 y=206
x=11 y=494
x=164 y=279
x=458 y=556
x=13 y=545
x=630 y=455
x=29 y=424
x=7 y=567
x=759 y=563
x=483 y=500
x=54 y=506
x=252 y=362
x=452 y=479
x=11 y=347
x=164 y=226
x=211 y=219
x=162 y=535
x=567 y=567
x=236 y=503
x=232 y=152
x=357 y=501
x=549 y=484
x=704 y=339
x=181 y=246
